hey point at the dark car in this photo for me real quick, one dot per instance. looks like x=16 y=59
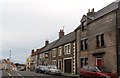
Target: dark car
x=41 y=69
x=96 y=72
x=53 y=70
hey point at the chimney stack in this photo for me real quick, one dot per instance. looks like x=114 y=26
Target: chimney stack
x=32 y=51
x=46 y=42
x=61 y=33
x=90 y=13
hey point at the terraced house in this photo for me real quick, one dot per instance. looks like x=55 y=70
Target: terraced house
x=63 y=53
x=96 y=41
x=60 y=52
x=98 y=38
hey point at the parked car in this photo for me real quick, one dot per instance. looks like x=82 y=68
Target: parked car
x=96 y=72
x=52 y=69
x=41 y=69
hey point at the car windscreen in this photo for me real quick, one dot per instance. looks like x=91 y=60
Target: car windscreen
x=52 y=67
x=104 y=69
x=43 y=67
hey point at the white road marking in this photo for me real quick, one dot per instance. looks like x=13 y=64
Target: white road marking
x=19 y=74
x=10 y=74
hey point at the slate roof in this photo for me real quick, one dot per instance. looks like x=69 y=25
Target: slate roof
x=65 y=39
x=38 y=51
x=49 y=46
x=111 y=7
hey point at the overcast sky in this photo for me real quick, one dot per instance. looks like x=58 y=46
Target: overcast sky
x=26 y=24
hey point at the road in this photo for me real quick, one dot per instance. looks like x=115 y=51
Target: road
x=27 y=74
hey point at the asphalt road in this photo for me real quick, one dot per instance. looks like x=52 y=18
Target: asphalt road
x=27 y=74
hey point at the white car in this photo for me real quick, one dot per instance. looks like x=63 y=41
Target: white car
x=52 y=69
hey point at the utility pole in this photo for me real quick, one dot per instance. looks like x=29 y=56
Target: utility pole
x=10 y=56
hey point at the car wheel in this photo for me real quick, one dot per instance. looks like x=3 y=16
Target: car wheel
x=50 y=73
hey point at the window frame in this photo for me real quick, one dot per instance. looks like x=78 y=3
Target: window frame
x=54 y=52
x=59 y=51
x=67 y=49
x=100 y=40
x=84 y=44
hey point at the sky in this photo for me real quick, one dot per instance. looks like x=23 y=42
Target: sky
x=27 y=24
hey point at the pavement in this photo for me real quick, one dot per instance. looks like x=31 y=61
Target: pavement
x=70 y=75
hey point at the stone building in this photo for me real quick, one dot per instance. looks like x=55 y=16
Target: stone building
x=98 y=38
x=63 y=53
x=96 y=41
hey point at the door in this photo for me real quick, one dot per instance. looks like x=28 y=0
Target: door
x=60 y=64
x=99 y=61
x=67 y=66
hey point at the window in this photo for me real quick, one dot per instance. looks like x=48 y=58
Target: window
x=46 y=54
x=84 y=44
x=54 y=53
x=84 y=62
x=100 y=40
x=54 y=62
x=67 y=49
x=59 y=51
x=84 y=23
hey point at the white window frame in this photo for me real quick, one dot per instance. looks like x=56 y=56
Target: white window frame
x=66 y=49
x=59 y=64
x=54 y=61
x=60 y=51
x=54 y=52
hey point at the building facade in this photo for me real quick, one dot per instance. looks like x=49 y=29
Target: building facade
x=96 y=42
x=98 y=38
x=63 y=53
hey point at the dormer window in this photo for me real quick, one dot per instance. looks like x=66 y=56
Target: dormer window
x=84 y=23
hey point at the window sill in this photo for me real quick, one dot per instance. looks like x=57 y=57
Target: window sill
x=84 y=50
x=100 y=47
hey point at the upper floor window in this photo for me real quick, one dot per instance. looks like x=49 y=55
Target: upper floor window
x=100 y=40
x=46 y=54
x=84 y=44
x=60 y=51
x=67 y=49
x=54 y=53
x=84 y=23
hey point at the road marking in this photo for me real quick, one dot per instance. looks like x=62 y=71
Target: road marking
x=19 y=74
x=10 y=74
